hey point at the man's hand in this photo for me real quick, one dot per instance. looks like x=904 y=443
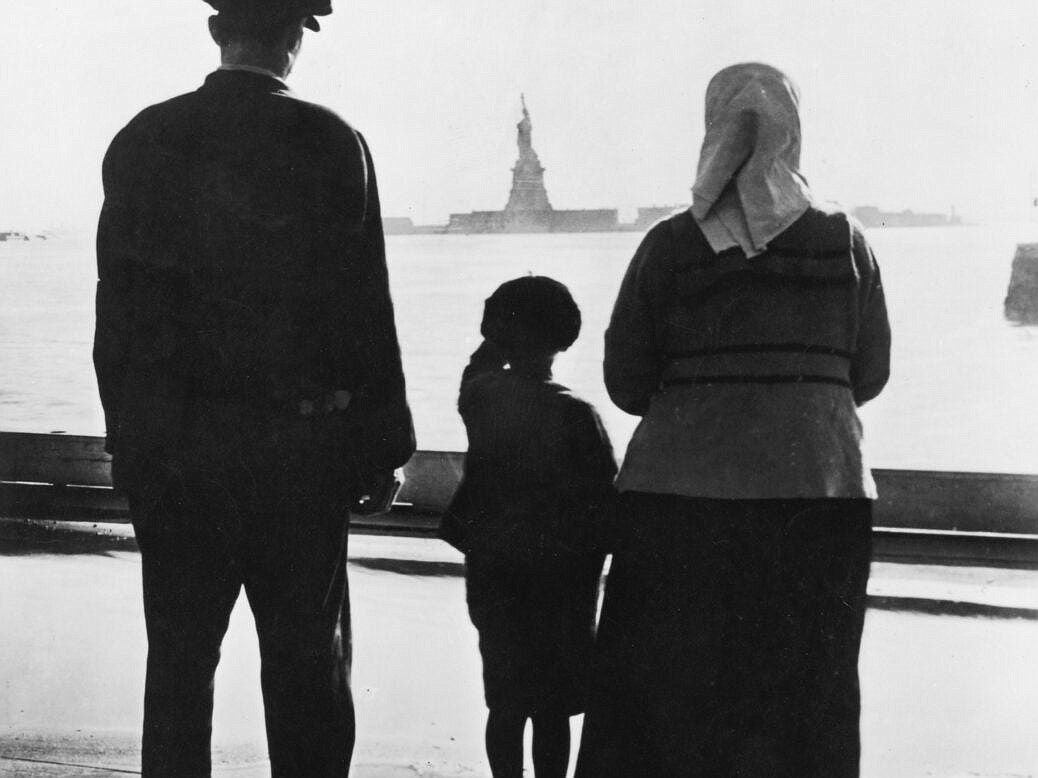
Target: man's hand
x=378 y=492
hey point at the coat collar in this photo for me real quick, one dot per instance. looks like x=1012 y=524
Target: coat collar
x=242 y=78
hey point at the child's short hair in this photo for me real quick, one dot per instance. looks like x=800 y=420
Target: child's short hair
x=532 y=311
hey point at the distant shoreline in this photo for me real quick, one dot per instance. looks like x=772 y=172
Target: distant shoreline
x=871 y=216
x=605 y=220
x=14 y=235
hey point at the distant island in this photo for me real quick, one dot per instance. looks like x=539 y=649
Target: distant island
x=528 y=208
x=12 y=235
x=871 y=216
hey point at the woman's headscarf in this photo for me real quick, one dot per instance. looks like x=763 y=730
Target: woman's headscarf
x=748 y=185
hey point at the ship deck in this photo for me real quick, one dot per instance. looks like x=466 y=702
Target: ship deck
x=948 y=674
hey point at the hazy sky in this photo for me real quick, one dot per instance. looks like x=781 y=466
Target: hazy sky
x=925 y=104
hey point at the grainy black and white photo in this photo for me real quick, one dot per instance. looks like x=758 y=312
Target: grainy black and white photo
x=519 y=388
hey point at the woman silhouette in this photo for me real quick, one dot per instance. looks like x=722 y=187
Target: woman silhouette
x=746 y=332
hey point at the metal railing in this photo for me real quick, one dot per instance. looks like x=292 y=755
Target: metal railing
x=946 y=517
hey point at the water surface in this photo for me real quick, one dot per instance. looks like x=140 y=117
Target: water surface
x=962 y=396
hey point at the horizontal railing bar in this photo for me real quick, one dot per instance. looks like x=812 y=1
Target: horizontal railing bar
x=971 y=515
x=955 y=548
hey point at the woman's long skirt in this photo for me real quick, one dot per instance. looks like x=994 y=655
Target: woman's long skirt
x=728 y=642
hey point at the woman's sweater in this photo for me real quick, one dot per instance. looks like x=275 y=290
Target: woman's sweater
x=747 y=372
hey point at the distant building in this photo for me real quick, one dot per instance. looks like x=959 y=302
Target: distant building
x=649 y=216
x=871 y=216
x=397 y=225
x=402 y=225
x=593 y=220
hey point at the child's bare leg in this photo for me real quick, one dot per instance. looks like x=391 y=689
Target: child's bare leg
x=550 y=745
x=505 y=743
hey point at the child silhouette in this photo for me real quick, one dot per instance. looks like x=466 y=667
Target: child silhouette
x=529 y=516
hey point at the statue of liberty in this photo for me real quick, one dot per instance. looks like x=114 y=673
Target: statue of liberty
x=528 y=192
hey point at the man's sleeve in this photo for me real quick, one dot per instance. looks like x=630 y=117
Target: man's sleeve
x=113 y=308
x=632 y=361
x=388 y=428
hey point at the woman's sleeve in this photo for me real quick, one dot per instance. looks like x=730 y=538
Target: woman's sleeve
x=870 y=367
x=632 y=357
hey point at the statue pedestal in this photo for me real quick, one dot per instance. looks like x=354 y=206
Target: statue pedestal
x=1022 y=298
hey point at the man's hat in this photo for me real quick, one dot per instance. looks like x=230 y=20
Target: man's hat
x=275 y=10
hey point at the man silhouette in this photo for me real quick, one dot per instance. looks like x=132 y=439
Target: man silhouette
x=249 y=370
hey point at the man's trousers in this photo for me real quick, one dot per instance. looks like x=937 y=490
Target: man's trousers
x=281 y=533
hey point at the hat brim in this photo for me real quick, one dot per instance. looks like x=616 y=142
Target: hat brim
x=311 y=23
